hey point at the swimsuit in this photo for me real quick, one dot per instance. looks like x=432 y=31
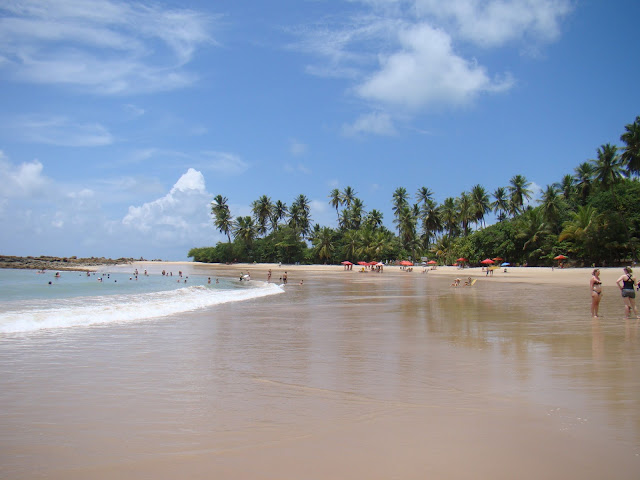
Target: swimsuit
x=597 y=282
x=627 y=288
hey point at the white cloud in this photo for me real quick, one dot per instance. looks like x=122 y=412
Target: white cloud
x=24 y=180
x=408 y=56
x=376 y=123
x=61 y=131
x=103 y=46
x=495 y=22
x=427 y=72
x=43 y=216
x=186 y=201
x=224 y=162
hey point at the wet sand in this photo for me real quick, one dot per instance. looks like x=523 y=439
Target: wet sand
x=373 y=376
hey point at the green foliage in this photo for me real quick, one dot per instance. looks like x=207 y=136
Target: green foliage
x=592 y=215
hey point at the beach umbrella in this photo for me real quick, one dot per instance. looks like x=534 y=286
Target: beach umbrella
x=432 y=262
x=560 y=257
x=406 y=263
x=363 y=263
x=487 y=261
x=505 y=264
x=346 y=262
x=498 y=259
x=461 y=259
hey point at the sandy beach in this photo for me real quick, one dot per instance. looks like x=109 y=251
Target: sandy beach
x=349 y=375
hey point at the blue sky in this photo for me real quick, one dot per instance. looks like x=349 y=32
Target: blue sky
x=120 y=121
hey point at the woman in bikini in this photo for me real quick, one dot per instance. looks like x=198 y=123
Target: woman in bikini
x=627 y=283
x=596 y=292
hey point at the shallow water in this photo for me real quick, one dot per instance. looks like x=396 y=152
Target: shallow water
x=365 y=376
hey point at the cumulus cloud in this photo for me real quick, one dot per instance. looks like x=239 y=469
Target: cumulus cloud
x=102 y=46
x=406 y=57
x=24 y=180
x=426 y=71
x=44 y=216
x=187 y=201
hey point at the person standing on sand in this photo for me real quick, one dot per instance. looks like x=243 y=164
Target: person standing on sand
x=627 y=288
x=596 y=292
x=284 y=278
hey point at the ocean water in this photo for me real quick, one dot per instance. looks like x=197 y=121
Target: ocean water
x=32 y=301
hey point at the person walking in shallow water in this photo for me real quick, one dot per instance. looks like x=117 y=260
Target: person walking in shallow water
x=627 y=283
x=596 y=292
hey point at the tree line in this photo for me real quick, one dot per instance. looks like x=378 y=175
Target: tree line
x=591 y=215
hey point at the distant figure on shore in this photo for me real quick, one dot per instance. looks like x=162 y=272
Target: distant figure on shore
x=209 y=280
x=269 y=275
x=284 y=278
x=627 y=283
x=595 y=284
x=456 y=283
x=301 y=282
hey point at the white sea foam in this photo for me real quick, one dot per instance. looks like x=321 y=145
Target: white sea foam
x=85 y=311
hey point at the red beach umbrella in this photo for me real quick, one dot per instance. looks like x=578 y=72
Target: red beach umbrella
x=432 y=262
x=487 y=261
x=461 y=259
x=498 y=259
x=560 y=257
x=406 y=263
x=346 y=262
x=363 y=263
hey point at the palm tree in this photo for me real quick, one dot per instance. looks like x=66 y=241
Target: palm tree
x=262 y=211
x=534 y=231
x=300 y=215
x=583 y=229
x=631 y=151
x=608 y=166
x=244 y=229
x=348 y=194
x=374 y=219
x=357 y=211
x=423 y=195
x=223 y=219
x=406 y=222
x=336 y=199
x=501 y=203
x=449 y=215
x=323 y=243
x=400 y=202
x=443 y=249
x=479 y=203
x=584 y=180
x=279 y=212
x=519 y=191
x=351 y=243
x=431 y=221
x=466 y=213
x=551 y=205
x=566 y=186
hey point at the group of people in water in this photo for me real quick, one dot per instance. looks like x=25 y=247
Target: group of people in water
x=627 y=284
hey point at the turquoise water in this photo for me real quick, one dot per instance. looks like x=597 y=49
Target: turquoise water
x=32 y=301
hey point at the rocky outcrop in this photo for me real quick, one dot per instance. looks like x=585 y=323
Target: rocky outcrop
x=59 y=263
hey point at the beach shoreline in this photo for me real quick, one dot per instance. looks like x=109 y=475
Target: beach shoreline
x=570 y=276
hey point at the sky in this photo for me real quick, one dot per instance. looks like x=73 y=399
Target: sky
x=120 y=121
